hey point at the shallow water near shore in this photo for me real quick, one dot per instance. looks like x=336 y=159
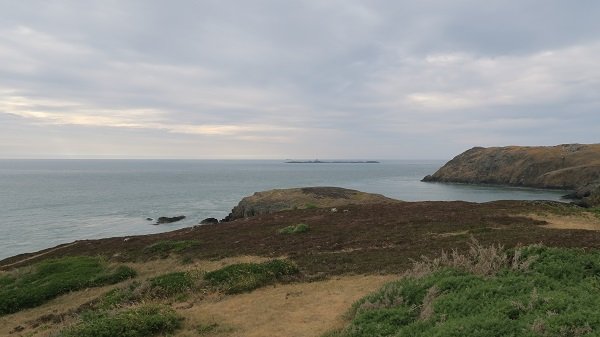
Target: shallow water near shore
x=48 y=202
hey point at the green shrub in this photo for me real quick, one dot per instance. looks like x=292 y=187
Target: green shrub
x=168 y=246
x=242 y=277
x=119 y=296
x=310 y=206
x=294 y=229
x=171 y=284
x=50 y=278
x=144 y=321
x=6 y=280
x=557 y=294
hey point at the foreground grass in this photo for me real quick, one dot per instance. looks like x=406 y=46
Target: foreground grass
x=179 y=285
x=243 y=277
x=33 y=286
x=125 y=312
x=148 y=320
x=534 y=291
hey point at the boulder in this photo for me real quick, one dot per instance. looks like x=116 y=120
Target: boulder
x=165 y=219
x=209 y=221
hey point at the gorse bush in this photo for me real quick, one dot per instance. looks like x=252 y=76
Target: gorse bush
x=242 y=277
x=166 y=286
x=32 y=286
x=532 y=291
x=171 y=284
x=119 y=297
x=149 y=320
x=294 y=229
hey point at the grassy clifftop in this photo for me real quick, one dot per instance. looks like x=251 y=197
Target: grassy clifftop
x=568 y=166
x=300 y=198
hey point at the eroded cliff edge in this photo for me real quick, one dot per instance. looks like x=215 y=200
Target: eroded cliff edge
x=568 y=166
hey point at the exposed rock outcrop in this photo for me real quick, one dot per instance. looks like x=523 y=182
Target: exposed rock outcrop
x=209 y=221
x=299 y=198
x=567 y=166
x=165 y=219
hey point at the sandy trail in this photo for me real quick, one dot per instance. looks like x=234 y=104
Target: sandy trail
x=587 y=221
x=292 y=310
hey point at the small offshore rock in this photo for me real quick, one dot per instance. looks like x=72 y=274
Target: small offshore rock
x=209 y=221
x=166 y=219
x=149 y=219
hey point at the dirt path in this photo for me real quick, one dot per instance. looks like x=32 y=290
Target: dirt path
x=292 y=310
x=586 y=221
x=2 y=267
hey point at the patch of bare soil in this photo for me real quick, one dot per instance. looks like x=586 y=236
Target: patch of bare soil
x=291 y=310
x=583 y=220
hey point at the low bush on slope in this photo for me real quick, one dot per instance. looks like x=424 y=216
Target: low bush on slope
x=242 y=277
x=147 y=320
x=32 y=286
x=532 y=291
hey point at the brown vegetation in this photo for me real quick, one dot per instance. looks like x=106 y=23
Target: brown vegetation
x=368 y=240
x=374 y=238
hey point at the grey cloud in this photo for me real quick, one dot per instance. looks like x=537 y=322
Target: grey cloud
x=298 y=78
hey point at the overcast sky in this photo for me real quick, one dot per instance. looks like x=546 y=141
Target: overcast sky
x=295 y=79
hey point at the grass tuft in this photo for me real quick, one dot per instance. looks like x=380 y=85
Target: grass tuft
x=149 y=320
x=243 y=277
x=479 y=260
x=119 y=297
x=35 y=285
x=171 y=284
x=294 y=229
x=211 y=329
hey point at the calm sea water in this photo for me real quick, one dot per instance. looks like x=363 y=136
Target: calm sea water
x=49 y=202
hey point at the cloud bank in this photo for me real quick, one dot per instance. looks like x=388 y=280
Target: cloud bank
x=295 y=79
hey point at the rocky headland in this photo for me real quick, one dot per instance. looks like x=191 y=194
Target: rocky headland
x=272 y=201
x=569 y=166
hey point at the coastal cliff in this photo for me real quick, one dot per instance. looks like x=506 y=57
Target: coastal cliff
x=567 y=166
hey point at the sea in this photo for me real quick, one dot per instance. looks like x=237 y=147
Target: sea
x=49 y=202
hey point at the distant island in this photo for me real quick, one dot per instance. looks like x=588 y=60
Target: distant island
x=316 y=161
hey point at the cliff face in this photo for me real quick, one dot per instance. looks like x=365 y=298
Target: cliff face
x=569 y=166
x=298 y=198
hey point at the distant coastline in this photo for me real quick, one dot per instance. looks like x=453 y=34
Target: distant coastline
x=316 y=161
